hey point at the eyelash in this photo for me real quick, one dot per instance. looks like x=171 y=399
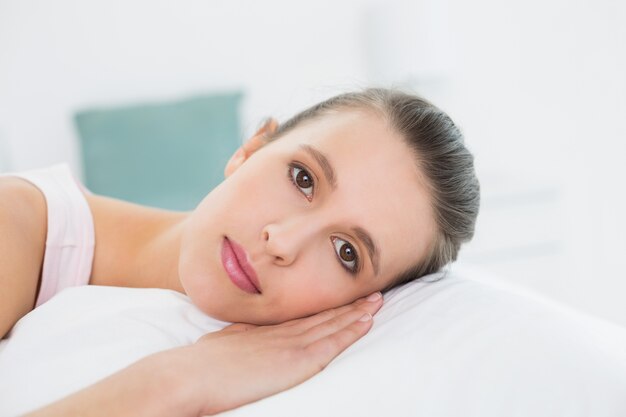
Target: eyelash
x=290 y=174
x=354 y=270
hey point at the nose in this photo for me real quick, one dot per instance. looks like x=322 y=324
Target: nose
x=285 y=240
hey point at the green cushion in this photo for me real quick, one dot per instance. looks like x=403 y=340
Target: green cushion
x=167 y=155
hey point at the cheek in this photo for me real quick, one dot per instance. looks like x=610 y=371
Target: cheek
x=259 y=190
x=312 y=287
x=194 y=268
x=199 y=266
x=268 y=186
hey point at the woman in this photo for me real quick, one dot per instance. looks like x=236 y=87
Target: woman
x=362 y=192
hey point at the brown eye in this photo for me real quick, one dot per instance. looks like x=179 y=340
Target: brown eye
x=347 y=255
x=301 y=178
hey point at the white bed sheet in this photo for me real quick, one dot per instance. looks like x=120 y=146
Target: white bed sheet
x=456 y=347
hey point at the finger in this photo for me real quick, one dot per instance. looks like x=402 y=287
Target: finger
x=373 y=303
x=324 y=350
x=229 y=330
x=238 y=328
x=333 y=325
x=370 y=304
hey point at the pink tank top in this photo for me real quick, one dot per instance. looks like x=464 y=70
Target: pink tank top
x=70 y=239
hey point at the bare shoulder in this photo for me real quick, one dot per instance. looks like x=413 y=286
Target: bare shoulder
x=23 y=227
x=23 y=205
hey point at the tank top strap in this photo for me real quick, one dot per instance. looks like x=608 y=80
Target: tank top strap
x=70 y=239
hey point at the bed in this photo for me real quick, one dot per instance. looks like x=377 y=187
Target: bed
x=453 y=347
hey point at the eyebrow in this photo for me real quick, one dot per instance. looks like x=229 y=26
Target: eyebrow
x=322 y=160
x=331 y=178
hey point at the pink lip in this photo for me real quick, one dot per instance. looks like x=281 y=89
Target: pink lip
x=240 y=272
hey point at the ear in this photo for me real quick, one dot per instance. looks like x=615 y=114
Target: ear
x=253 y=144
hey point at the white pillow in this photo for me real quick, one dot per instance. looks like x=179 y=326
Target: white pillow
x=84 y=334
x=456 y=347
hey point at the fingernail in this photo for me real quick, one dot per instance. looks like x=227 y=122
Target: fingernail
x=374 y=297
x=366 y=317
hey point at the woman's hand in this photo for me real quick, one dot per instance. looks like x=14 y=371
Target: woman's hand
x=240 y=364
x=244 y=363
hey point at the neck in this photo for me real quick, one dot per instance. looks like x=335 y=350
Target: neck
x=136 y=246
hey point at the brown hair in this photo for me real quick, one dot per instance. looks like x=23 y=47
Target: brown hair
x=441 y=155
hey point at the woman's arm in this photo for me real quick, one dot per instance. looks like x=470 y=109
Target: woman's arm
x=224 y=370
x=23 y=222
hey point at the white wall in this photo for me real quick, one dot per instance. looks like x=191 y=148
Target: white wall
x=57 y=57
x=538 y=87
x=540 y=90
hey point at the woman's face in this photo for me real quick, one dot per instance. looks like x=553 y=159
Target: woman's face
x=328 y=213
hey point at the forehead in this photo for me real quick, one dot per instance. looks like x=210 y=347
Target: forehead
x=379 y=186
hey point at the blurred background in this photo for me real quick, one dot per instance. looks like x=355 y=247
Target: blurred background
x=146 y=89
